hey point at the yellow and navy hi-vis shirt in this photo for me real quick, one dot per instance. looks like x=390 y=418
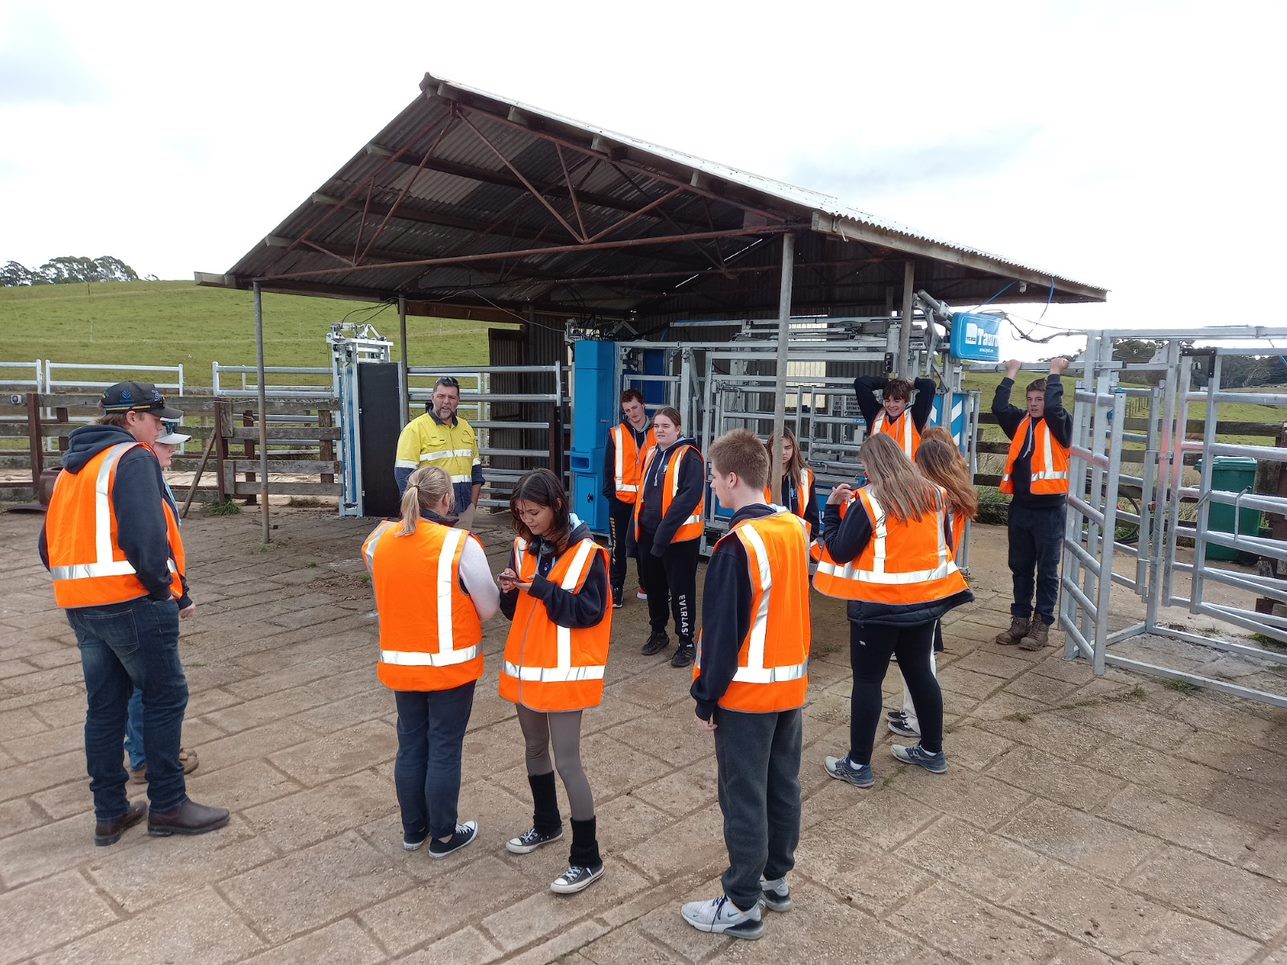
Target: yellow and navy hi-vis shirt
x=425 y=441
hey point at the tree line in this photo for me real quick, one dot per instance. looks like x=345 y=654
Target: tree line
x=67 y=270
x=1236 y=371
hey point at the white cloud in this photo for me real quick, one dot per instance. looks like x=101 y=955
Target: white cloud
x=1129 y=144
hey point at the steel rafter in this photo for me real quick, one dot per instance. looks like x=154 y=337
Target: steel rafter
x=541 y=252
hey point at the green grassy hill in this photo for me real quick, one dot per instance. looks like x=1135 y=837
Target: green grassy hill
x=176 y=322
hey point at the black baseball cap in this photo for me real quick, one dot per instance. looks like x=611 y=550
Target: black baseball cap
x=137 y=397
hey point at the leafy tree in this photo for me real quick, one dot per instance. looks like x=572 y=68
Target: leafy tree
x=67 y=269
x=15 y=274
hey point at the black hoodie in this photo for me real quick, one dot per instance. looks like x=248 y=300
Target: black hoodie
x=726 y=615
x=136 y=501
x=565 y=608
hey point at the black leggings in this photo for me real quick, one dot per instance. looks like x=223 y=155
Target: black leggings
x=869 y=648
x=670 y=580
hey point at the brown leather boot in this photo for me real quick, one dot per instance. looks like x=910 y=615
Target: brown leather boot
x=188 y=818
x=1038 y=635
x=1009 y=638
x=109 y=832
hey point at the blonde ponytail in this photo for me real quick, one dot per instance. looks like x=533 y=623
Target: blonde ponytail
x=425 y=490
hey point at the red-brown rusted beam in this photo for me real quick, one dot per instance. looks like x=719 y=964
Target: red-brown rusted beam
x=403 y=193
x=576 y=207
x=650 y=172
x=394 y=158
x=526 y=183
x=555 y=250
x=357 y=242
x=613 y=228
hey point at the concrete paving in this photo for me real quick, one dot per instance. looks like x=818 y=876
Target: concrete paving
x=1082 y=820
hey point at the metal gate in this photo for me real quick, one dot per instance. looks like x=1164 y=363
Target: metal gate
x=1161 y=575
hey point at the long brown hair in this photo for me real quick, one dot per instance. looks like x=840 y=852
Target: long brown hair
x=897 y=485
x=792 y=466
x=426 y=488
x=942 y=464
x=542 y=487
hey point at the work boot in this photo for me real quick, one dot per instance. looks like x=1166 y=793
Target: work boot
x=109 y=832
x=683 y=653
x=1011 y=637
x=188 y=818
x=656 y=643
x=1038 y=635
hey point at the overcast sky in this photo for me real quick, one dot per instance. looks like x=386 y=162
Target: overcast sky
x=1133 y=145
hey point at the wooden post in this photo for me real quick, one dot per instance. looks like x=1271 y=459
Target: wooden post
x=221 y=427
x=903 y=366
x=779 y=394
x=37 y=442
x=248 y=421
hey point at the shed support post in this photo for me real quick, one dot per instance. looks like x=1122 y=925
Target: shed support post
x=903 y=366
x=404 y=389
x=779 y=395
x=263 y=415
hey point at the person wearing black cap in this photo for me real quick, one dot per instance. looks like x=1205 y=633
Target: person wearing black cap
x=112 y=546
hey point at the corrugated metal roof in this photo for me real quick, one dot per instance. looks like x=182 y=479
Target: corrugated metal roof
x=425 y=208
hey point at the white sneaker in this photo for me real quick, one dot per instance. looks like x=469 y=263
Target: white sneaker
x=775 y=895
x=576 y=878
x=719 y=916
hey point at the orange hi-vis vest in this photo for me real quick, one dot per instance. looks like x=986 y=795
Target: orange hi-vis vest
x=818 y=548
x=628 y=460
x=1049 y=460
x=430 y=634
x=773 y=663
x=957 y=522
x=903 y=430
x=804 y=482
x=904 y=563
x=550 y=668
x=693 y=526
x=86 y=562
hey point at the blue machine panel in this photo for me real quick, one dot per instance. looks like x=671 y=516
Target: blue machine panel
x=595 y=409
x=976 y=337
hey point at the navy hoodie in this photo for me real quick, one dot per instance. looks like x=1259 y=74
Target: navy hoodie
x=565 y=608
x=691 y=489
x=726 y=615
x=136 y=500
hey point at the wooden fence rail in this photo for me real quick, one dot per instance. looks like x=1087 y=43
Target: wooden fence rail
x=302 y=445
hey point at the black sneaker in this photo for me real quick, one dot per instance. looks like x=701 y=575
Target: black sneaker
x=529 y=841
x=576 y=878
x=463 y=835
x=657 y=642
x=413 y=842
x=683 y=655
x=617 y=594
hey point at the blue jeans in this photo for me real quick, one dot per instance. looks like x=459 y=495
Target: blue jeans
x=1036 y=542
x=431 y=731
x=134 y=731
x=123 y=646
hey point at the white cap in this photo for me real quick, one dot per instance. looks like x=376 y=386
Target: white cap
x=173 y=439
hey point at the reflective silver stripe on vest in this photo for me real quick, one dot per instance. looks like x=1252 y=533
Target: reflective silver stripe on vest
x=103 y=564
x=878 y=425
x=446 y=631
x=83 y=571
x=551 y=675
x=1047 y=451
x=563 y=671
x=619 y=465
x=372 y=541
x=947 y=566
x=570 y=581
x=755 y=672
x=416 y=658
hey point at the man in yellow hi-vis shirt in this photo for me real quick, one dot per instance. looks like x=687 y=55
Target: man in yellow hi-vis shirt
x=443 y=439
